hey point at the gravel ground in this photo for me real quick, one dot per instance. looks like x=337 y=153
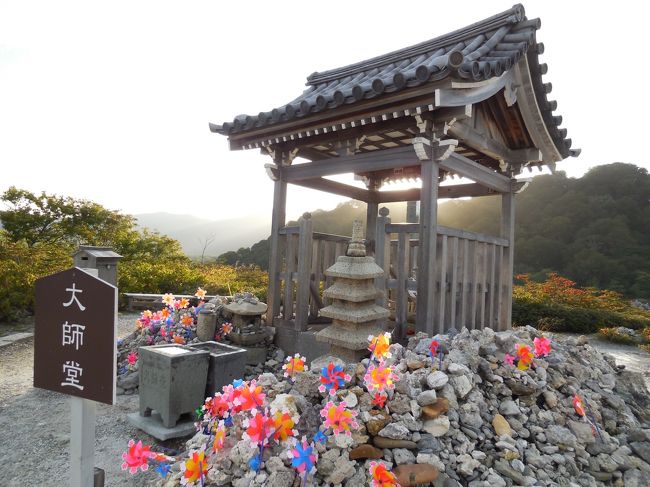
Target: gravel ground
x=35 y=424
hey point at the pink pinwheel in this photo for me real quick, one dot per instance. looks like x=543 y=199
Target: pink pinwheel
x=332 y=378
x=542 y=346
x=509 y=359
x=340 y=419
x=132 y=358
x=380 y=378
x=294 y=364
x=136 y=457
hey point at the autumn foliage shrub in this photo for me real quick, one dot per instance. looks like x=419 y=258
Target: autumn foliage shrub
x=557 y=304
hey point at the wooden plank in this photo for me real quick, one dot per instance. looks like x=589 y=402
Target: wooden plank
x=491 y=147
x=363 y=162
x=463 y=166
x=465 y=285
x=442 y=297
x=275 y=253
x=289 y=269
x=401 y=304
x=328 y=259
x=316 y=270
x=498 y=288
x=454 y=283
x=330 y=237
x=449 y=97
x=490 y=285
x=473 y=254
x=382 y=256
x=292 y=230
x=507 y=232
x=335 y=187
x=427 y=249
x=483 y=283
x=304 y=272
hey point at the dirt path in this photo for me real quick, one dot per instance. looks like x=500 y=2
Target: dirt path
x=35 y=424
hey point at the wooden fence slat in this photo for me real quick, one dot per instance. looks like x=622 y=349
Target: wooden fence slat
x=289 y=269
x=498 y=287
x=465 y=288
x=443 y=285
x=316 y=269
x=303 y=280
x=490 y=287
x=401 y=304
x=483 y=284
x=454 y=282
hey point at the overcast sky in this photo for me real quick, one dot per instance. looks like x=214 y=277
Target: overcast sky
x=110 y=101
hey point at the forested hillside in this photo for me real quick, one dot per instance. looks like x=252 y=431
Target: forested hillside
x=594 y=230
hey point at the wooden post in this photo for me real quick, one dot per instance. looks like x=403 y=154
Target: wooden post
x=401 y=301
x=371 y=228
x=275 y=257
x=382 y=255
x=427 y=248
x=82 y=442
x=305 y=247
x=508 y=232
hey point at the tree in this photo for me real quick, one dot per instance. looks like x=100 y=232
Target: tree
x=59 y=220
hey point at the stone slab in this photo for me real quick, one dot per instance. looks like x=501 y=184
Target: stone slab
x=13 y=338
x=153 y=426
x=303 y=342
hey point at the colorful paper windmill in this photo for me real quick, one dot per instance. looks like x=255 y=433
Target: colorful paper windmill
x=380 y=476
x=137 y=456
x=337 y=417
x=332 y=378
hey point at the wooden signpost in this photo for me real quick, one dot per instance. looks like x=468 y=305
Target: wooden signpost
x=75 y=354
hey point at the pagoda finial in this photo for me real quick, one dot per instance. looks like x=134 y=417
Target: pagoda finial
x=356 y=248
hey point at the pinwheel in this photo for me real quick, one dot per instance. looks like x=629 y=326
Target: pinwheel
x=200 y=293
x=380 y=476
x=524 y=357
x=509 y=359
x=194 y=468
x=433 y=348
x=303 y=459
x=542 y=346
x=283 y=423
x=250 y=396
x=294 y=364
x=379 y=378
x=137 y=456
x=337 y=417
x=379 y=400
x=580 y=409
x=379 y=346
x=332 y=378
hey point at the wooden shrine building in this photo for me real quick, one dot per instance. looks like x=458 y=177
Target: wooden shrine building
x=471 y=103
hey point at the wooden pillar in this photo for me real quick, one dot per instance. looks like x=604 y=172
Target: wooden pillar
x=508 y=232
x=278 y=221
x=303 y=288
x=371 y=217
x=371 y=228
x=382 y=256
x=426 y=275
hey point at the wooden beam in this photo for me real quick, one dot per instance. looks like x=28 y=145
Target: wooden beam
x=453 y=97
x=463 y=166
x=365 y=162
x=335 y=187
x=469 y=190
x=491 y=147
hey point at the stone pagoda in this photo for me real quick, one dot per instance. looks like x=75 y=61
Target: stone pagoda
x=353 y=309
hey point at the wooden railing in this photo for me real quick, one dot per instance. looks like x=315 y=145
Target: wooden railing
x=470 y=277
x=307 y=254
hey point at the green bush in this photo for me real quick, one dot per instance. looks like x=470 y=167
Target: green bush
x=557 y=317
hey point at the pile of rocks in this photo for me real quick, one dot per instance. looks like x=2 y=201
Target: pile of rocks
x=471 y=421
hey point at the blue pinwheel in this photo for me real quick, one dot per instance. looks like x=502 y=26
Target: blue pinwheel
x=303 y=457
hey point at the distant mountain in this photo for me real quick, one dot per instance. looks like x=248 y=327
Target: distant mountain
x=192 y=231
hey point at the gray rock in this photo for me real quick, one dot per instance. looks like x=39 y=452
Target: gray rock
x=560 y=436
x=403 y=456
x=642 y=449
x=437 y=427
x=636 y=478
x=583 y=431
x=426 y=398
x=462 y=385
x=467 y=464
x=395 y=431
x=437 y=380
x=509 y=408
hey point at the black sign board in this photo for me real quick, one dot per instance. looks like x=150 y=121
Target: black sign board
x=74 y=338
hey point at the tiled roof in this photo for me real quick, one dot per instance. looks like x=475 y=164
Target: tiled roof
x=477 y=52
